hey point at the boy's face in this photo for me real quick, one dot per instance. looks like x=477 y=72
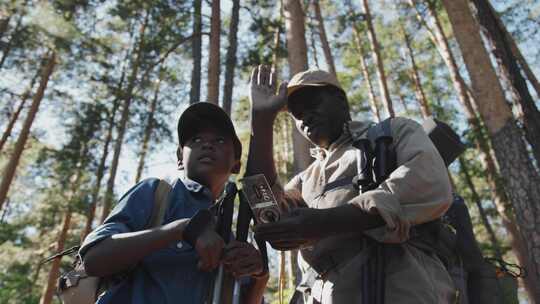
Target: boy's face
x=208 y=157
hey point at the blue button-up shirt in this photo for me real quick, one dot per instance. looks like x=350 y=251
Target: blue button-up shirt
x=169 y=275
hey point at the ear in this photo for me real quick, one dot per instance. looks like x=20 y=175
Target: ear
x=179 y=158
x=236 y=167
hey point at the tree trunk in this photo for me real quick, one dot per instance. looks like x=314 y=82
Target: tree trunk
x=100 y=172
x=123 y=121
x=230 y=63
x=4 y=25
x=515 y=50
x=419 y=91
x=11 y=165
x=324 y=40
x=17 y=112
x=511 y=154
x=313 y=44
x=148 y=130
x=478 y=201
x=195 y=91
x=214 y=63
x=48 y=291
x=282 y=282
x=504 y=208
x=510 y=70
x=365 y=74
x=297 y=57
x=375 y=48
x=9 y=45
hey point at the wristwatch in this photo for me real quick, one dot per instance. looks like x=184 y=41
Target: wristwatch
x=197 y=225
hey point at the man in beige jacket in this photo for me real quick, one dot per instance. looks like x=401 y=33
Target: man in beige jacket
x=340 y=230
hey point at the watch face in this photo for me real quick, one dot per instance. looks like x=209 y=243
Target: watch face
x=261 y=199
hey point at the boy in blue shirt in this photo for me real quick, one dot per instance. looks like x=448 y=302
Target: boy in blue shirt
x=174 y=262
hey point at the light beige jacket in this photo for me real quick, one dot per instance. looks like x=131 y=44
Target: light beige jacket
x=416 y=192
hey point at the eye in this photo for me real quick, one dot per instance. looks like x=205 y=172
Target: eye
x=220 y=140
x=196 y=139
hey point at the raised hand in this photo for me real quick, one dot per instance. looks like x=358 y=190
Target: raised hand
x=263 y=97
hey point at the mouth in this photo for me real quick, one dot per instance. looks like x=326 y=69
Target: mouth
x=206 y=159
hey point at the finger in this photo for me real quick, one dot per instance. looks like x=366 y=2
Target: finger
x=260 y=75
x=203 y=263
x=283 y=89
x=273 y=81
x=246 y=267
x=265 y=76
x=236 y=244
x=254 y=73
x=214 y=258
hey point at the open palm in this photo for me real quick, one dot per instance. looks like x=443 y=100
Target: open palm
x=263 y=97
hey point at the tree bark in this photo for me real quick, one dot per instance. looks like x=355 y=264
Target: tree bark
x=419 y=91
x=17 y=112
x=509 y=66
x=195 y=91
x=214 y=63
x=100 y=171
x=128 y=96
x=504 y=208
x=11 y=166
x=365 y=74
x=4 y=25
x=511 y=155
x=375 y=48
x=324 y=40
x=478 y=201
x=313 y=43
x=149 y=128
x=230 y=61
x=516 y=52
x=48 y=291
x=9 y=45
x=297 y=57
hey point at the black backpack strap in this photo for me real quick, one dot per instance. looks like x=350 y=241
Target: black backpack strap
x=381 y=129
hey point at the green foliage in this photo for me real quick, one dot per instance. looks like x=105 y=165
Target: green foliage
x=96 y=43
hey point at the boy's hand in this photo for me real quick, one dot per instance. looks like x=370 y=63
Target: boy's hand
x=262 y=95
x=242 y=259
x=209 y=246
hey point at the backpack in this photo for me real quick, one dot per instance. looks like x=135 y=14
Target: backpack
x=477 y=279
x=76 y=287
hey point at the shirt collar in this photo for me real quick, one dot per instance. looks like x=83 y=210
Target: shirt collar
x=192 y=185
x=345 y=138
x=196 y=187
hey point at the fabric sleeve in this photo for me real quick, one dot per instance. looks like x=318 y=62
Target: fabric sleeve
x=132 y=213
x=416 y=192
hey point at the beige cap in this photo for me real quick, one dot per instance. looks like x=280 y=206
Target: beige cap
x=312 y=78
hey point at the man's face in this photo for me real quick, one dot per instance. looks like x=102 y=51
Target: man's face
x=318 y=116
x=208 y=157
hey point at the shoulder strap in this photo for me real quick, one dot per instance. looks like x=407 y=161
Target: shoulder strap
x=381 y=129
x=161 y=202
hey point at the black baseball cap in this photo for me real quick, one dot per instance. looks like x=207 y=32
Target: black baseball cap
x=202 y=114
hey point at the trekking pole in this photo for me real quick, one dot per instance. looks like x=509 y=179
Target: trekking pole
x=242 y=228
x=224 y=229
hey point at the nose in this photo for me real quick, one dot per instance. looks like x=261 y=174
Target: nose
x=207 y=144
